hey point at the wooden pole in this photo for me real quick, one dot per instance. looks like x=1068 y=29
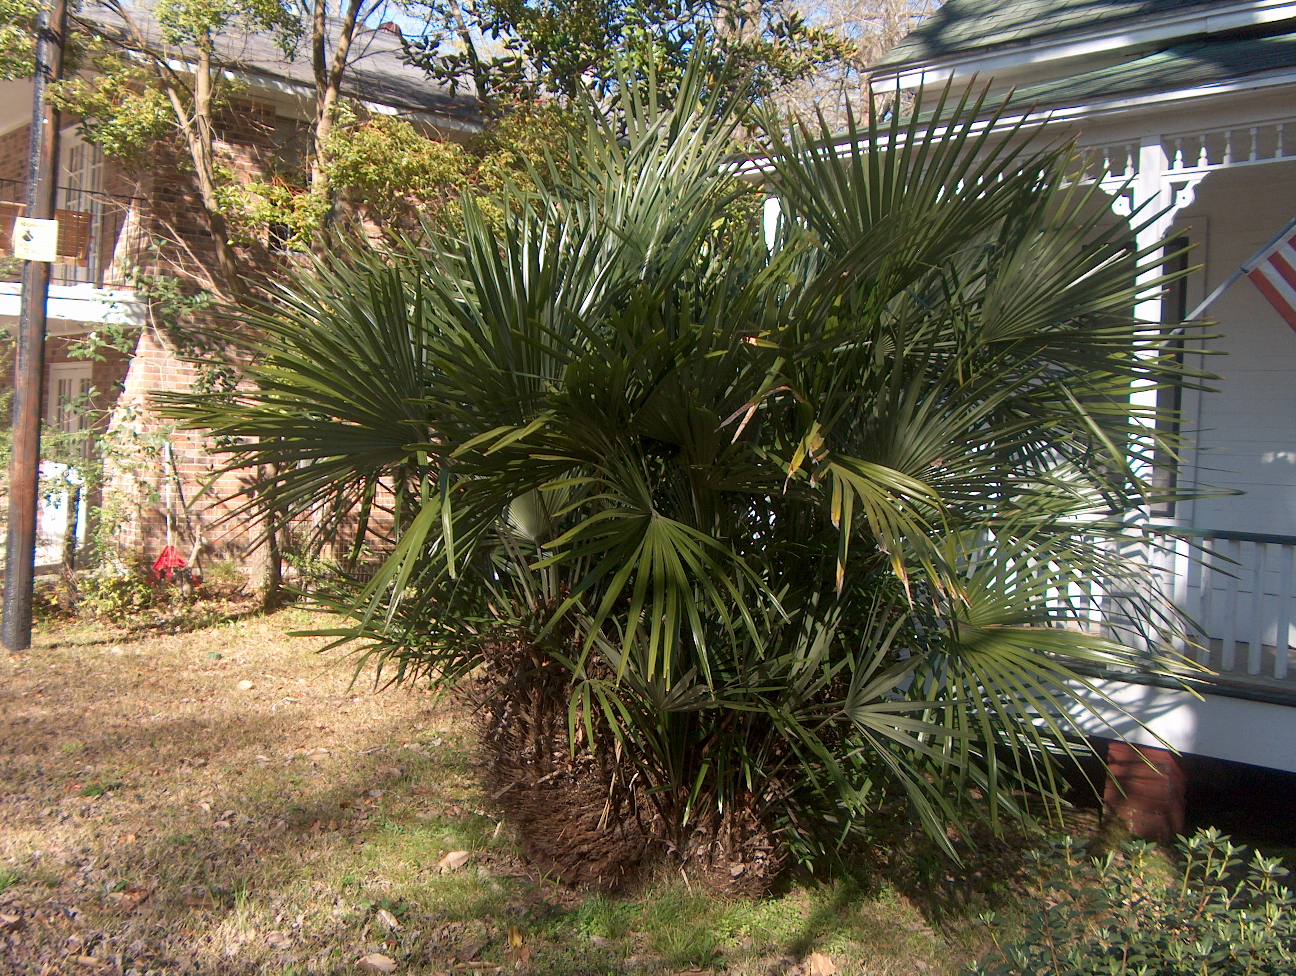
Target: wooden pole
x=29 y=362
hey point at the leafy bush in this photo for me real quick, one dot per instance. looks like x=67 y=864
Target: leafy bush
x=115 y=593
x=752 y=541
x=1128 y=913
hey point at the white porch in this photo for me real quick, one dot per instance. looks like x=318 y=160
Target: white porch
x=77 y=308
x=1226 y=189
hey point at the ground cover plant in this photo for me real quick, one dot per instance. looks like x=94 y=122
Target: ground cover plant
x=158 y=816
x=1127 y=911
x=735 y=541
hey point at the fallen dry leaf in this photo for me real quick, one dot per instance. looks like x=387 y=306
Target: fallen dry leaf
x=319 y=752
x=129 y=898
x=245 y=685
x=817 y=964
x=376 y=962
x=389 y=920
x=90 y=961
x=453 y=861
x=11 y=923
x=202 y=900
x=279 y=940
x=520 y=956
x=390 y=772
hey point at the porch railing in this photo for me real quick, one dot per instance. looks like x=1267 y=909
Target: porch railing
x=102 y=236
x=1240 y=589
x=1237 y=590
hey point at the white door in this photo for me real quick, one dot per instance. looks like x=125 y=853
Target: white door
x=81 y=190
x=64 y=408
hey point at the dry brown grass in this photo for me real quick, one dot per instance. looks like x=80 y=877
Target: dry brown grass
x=154 y=813
x=157 y=819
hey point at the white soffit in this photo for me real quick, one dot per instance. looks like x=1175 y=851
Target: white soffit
x=78 y=304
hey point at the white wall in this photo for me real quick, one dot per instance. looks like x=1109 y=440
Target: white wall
x=1208 y=726
x=1247 y=431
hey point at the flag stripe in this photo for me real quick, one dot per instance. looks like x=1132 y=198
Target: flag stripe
x=1286 y=291
x=1282 y=304
x=1284 y=261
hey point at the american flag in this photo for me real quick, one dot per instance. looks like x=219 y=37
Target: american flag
x=1274 y=272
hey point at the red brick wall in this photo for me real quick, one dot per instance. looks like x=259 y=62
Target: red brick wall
x=13 y=154
x=1145 y=791
x=149 y=490
x=245 y=142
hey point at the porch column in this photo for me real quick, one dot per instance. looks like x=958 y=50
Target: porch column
x=1145 y=791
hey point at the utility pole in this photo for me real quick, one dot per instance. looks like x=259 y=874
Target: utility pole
x=29 y=362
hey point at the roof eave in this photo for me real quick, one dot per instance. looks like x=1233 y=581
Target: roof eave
x=267 y=81
x=753 y=169
x=1012 y=55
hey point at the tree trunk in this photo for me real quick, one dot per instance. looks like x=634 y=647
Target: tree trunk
x=328 y=84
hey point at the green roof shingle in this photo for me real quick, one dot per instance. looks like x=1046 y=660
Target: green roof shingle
x=966 y=25
x=1182 y=66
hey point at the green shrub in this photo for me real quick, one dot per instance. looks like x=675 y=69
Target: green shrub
x=116 y=594
x=1129 y=912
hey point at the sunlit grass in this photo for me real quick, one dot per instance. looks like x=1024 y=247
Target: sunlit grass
x=157 y=812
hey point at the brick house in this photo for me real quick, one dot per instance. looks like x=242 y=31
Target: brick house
x=113 y=221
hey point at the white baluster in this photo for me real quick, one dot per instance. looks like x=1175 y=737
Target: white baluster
x=1255 y=631
x=1205 y=601
x=1254 y=145
x=1203 y=154
x=1228 y=657
x=1283 y=635
x=1228 y=147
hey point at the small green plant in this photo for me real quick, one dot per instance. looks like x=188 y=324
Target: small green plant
x=602 y=917
x=681 y=928
x=224 y=573
x=116 y=593
x=1128 y=913
x=8 y=878
x=99 y=789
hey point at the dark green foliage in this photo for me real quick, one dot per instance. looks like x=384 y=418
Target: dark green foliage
x=518 y=51
x=795 y=528
x=1128 y=914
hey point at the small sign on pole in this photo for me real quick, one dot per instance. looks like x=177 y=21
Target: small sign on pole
x=35 y=240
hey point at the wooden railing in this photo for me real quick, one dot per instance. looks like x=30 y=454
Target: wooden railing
x=98 y=244
x=1239 y=591
x=1236 y=591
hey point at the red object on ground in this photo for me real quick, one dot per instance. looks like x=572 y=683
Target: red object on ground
x=1145 y=789
x=167 y=563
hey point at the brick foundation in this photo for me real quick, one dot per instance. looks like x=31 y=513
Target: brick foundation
x=1145 y=791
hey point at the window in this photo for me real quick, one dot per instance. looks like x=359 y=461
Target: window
x=65 y=407
x=1174 y=306
x=290 y=139
x=80 y=206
